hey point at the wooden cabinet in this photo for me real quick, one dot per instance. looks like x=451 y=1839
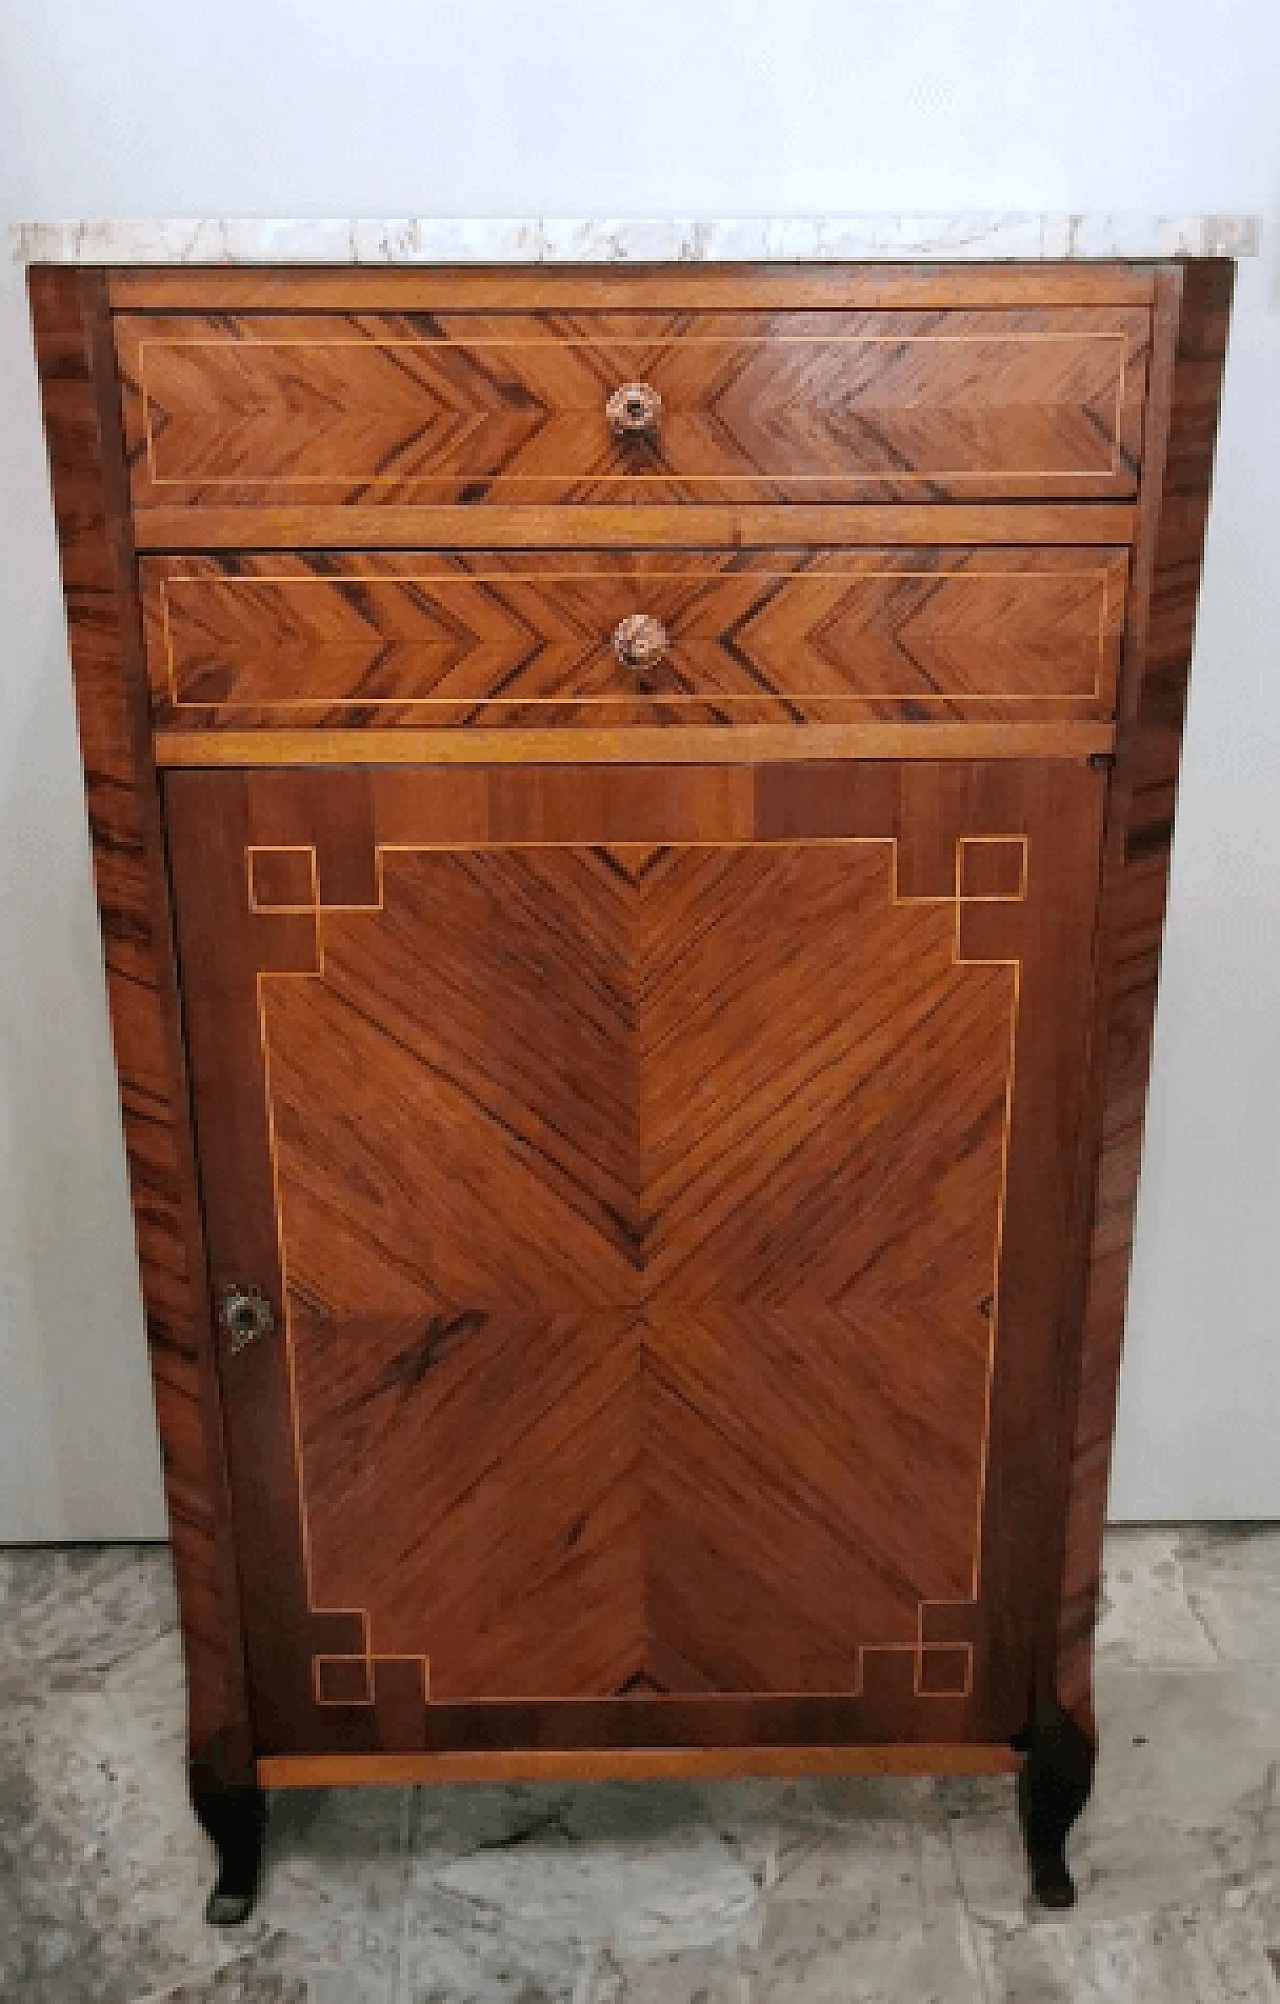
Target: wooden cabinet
x=631 y=816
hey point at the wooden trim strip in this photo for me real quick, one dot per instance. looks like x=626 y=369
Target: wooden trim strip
x=726 y=287
x=684 y=526
x=626 y=1764
x=1071 y=1682
x=81 y=403
x=1191 y=340
x=743 y=744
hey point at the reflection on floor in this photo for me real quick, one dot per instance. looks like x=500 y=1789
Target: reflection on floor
x=729 y=1893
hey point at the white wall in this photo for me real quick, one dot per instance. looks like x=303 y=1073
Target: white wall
x=262 y=107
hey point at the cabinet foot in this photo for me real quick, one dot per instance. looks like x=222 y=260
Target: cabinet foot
x=1053 y=1787
x=234 y=1816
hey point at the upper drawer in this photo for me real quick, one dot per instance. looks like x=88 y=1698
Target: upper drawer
x=616 y=639
x=315 y=409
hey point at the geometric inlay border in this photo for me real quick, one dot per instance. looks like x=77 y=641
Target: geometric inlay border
x=989 y=869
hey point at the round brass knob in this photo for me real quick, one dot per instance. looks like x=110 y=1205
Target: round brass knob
x=640 y=641
x=633 y=410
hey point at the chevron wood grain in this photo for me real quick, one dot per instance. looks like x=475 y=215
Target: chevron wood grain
x=489 y=407
x=442 y=640
x=640 y=1212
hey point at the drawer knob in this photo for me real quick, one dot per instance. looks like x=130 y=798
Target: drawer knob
x=640 y=641
x=633 y=410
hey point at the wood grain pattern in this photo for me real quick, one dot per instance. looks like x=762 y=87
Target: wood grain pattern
x=1192 y=322
x=625 y=1764
x=768 y=461
x=685 y=525
x=693 y=744
x=785 y=406
x=73 y=346
x=443 y=640
x=601 y=1057
x=534 y=288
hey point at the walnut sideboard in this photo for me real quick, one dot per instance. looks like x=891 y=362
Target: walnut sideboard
x=631 y=808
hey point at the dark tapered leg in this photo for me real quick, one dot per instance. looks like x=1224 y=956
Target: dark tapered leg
x=234 y=1815
x=1053 y=1787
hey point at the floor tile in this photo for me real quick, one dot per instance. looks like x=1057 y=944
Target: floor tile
x=68 y=1613
x=1180 y=1957
x=102 y=1870
x=334 y=1885
x=697 y=1978
x=265 y=1975
x=863 y=1890
x=1146 y=1616
x=641 y=1869
x=1232 y=1575
x=458 y=1951
x=889 y=1935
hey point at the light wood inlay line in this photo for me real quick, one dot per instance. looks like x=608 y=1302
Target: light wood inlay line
x=979 y=843
x=280 y=849
x=325 y=913
x=1014 y=1018
x=454 y=583
x=1073 y=340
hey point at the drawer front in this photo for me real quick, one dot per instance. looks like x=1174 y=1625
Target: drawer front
x=325 y=409
x=607 y=639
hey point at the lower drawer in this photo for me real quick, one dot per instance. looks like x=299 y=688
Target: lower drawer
x=606 y=639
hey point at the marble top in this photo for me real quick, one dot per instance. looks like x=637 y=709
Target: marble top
x=654 y=239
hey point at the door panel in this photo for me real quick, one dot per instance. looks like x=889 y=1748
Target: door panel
x=663 y=1194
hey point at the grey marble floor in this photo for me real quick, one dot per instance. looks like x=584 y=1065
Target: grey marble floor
x=733 y=1893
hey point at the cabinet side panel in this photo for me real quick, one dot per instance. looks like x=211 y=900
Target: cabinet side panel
x=1162 y=630
x=79 y=398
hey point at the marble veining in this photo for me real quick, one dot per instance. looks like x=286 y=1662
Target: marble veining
x=619 y=240
x=832 y=1891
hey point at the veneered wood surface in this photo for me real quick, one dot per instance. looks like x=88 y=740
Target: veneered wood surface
x=449 y=640
x=73 y=334
x=487 y=407
x=694 y=744
x=641 y=1256
x=1193 y=312
x=683 y=525
x=74 y=353
x=724 y=287
x=627 y=1764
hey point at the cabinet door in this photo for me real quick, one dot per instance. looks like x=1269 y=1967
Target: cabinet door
x=654 y=1193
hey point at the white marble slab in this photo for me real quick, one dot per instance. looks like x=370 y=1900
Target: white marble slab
x=651 y=239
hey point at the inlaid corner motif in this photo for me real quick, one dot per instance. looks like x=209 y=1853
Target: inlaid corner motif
x=641 y=1325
